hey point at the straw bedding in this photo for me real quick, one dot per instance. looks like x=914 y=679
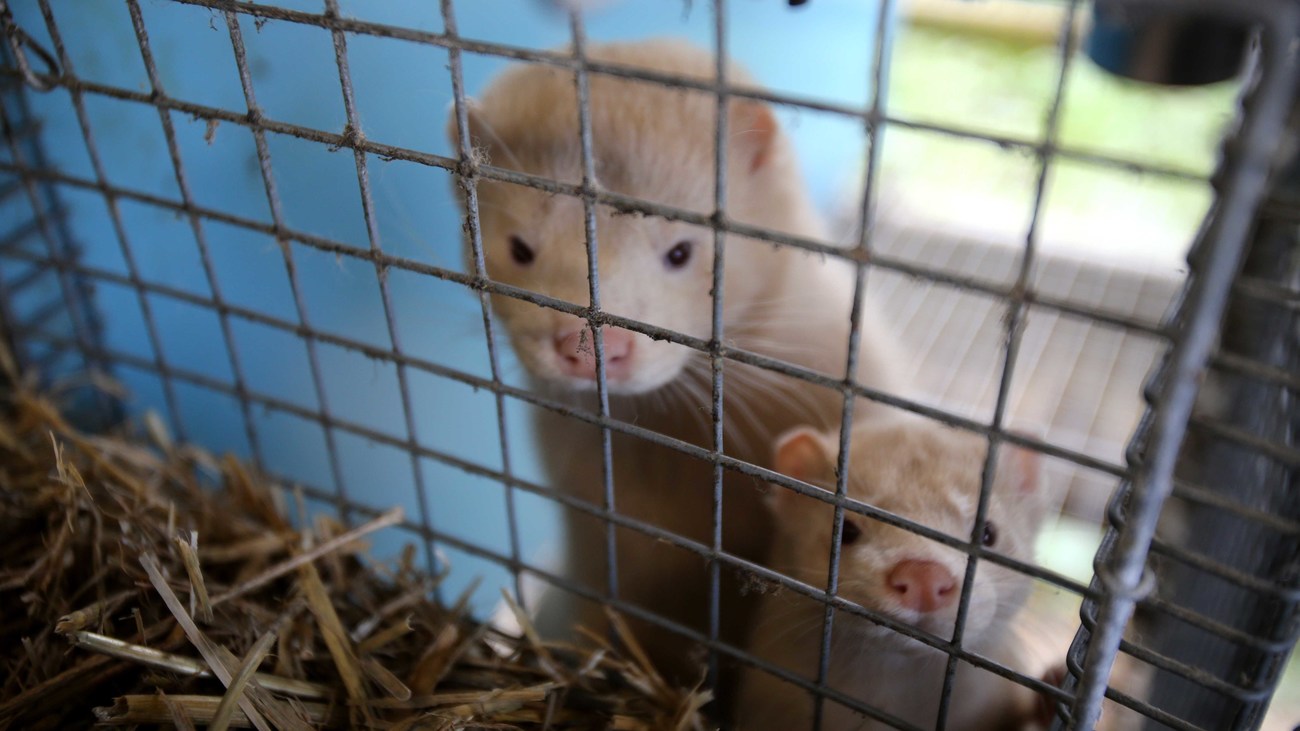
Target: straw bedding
x=147 y=583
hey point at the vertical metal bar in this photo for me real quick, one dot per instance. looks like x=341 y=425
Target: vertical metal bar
x=196 y=227
x=286 y=249
x=580 y=75
x=72 y=294
x=1014 y=330
x=27 y=131
x=20 y=347
x=9 y=325
x=466 y=177
x=356 y=135
x=715 y=344
x=874 y=129
x=1247 y=164
x=1264 y=606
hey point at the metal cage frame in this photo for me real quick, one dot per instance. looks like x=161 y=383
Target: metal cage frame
x=69 y=328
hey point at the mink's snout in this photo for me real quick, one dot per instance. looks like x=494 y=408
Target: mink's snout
x=922 y=586
x=576 y=353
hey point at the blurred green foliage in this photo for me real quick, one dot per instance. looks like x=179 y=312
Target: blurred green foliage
x=1004 y=87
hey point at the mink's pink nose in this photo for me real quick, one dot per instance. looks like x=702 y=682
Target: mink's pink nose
x=923 y=586
x=577 y=353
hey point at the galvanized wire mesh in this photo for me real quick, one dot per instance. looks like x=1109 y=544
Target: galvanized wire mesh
x=48 y=314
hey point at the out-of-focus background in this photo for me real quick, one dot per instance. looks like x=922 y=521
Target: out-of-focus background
x=1105 y=238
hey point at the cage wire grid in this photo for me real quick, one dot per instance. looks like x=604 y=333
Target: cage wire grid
x=1115 y=591
x=1122 y=571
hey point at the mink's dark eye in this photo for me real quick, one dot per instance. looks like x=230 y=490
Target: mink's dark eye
x=677 y=256
x=850 y=533
x=990 y=534
x=520 y=251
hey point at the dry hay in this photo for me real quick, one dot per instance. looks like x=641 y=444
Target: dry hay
x=148 y=583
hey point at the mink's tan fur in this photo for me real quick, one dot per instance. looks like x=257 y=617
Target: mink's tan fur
x=929 y=474
x=657 y=143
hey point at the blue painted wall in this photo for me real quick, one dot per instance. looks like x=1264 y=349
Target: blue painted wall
x=403 y=90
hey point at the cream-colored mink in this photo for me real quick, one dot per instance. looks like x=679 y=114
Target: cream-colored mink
x=929 y=474
x=657 y=143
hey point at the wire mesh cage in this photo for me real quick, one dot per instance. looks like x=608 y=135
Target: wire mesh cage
x=251 y=340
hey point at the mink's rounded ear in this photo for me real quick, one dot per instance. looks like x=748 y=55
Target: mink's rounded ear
x=1025 y=465
x=804 y=454
x=1022 y=477
x=1029 y=467
x=754 y=132
x=801 y=453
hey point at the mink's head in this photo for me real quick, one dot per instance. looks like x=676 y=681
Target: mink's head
x=930 y=475
x=649 y=141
